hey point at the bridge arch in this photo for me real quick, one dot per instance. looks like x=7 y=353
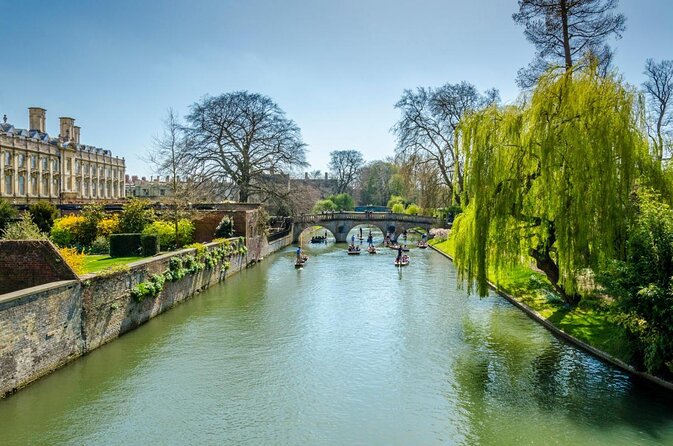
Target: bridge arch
x=341 y=223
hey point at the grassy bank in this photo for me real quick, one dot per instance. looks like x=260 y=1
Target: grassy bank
x=590 y=321
x=94 y=263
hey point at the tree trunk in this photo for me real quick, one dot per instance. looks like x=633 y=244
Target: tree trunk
x=566 y=37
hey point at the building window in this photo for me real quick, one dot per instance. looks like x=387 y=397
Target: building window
x=22 y=161
x=9 y=183
x=54 y=184
x=94 y=189
x=33 y=162
x=45 y=185
x=54 y=165
x=8 y=158
x=22 y=184
x=162 y=192
x=77 y=167
x=68 y=165
x=78 y=185
x=33 y=185
x=45 y=163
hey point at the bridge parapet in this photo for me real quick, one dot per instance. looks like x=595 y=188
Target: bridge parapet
x=340 y=223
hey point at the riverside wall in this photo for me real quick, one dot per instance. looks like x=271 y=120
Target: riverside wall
x=44 y=327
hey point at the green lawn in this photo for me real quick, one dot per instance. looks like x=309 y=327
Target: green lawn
x=94 y=263
x=589 y=321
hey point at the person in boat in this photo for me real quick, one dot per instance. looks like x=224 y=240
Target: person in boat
x=370 y=239
x=300 y=258
x=360 y=233
x=399 y=254
x=325 y=235
x=353 y=240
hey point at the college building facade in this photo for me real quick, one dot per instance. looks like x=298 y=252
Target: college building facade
x=36 y=167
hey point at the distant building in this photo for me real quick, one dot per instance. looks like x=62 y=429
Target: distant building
x=160 y=189
x=36 y=167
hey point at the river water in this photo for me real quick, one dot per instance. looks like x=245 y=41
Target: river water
x=347 y=351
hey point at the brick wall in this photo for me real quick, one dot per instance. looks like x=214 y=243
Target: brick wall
x=28 y=263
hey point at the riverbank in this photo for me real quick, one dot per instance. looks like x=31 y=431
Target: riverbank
x=44 y=327
x=588 y=325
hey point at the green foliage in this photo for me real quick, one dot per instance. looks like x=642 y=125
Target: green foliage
x=43 y=214
x=396 y=199
x=100 y=246
x=150 y=244
x=148 y=288
x=550 y=178
x=87 y=230
x=343 y=202
x=24 y=229
x=225 y=228
x=165 y=230
x=643 y=285
x=326 y=205
x=398 y=208
x=125 y=245
x=135 y=216
x=7 y=214
x=412 y=209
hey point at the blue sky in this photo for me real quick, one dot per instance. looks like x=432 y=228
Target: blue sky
x=336 y=67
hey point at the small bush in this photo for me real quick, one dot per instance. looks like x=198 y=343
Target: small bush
x=125 y=245
x=398 y=208
x=73 y=258
x=23 y=229
x=100 y=246
x=135 y=216
x=64 y=232
x=165 y=230
x=43 y=215
x=108 y=225
x=150 y=244
x=412 y=209
x=225 y=229
x=7 y=214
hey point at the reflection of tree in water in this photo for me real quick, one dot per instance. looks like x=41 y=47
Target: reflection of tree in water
x=516 y=384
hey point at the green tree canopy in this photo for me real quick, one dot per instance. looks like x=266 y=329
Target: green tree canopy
x=549 y=180
x=343 y=202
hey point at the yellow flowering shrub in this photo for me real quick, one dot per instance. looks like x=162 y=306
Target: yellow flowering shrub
x=64 y=231
x=108 y=226
x=73 y=258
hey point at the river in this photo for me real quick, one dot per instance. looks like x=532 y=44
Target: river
x=347 y=351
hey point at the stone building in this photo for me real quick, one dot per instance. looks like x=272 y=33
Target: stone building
x=161 y=189
x=37 y=167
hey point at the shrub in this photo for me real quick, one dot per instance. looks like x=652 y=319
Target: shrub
x=150 y=244
x=165 y=230
x=412 y=209
x=43 y=215
x=108 y=225
x=396 y=199
x=125 y=245
x=324 y=206
x=343 y=202
x=65 y=229
x=398 y=208
x=135 y=216
x=23 y=229
x=87 y=230
x=7 y=214
x=100 y=246
x=225 y=228
x=73 y=258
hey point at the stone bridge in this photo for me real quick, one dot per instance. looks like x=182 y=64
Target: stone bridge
x=341 y=223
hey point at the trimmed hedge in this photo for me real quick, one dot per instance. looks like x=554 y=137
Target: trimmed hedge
x=150 y=244
x=125 y=245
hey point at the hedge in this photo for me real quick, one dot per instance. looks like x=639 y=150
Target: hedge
x=125 y=245
x=150 y=244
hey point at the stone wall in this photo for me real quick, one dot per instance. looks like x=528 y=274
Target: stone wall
x=40 y=330
x=45 y=327
x=28 y=263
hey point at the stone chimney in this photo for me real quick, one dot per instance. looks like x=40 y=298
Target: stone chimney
x=326 y=176
x=67 y=129
x=75 y=138
x=37 y=117
x=306 y=175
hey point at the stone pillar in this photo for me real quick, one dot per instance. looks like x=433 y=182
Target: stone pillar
x=37 y=117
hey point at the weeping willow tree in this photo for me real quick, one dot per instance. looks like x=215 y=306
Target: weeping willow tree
x=548 y=182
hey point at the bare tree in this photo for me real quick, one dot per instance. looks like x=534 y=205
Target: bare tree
x=244 y=139
x=345 y=166
x=565 y=31
x=659 y=92
x=427 y=129
x=169 y=157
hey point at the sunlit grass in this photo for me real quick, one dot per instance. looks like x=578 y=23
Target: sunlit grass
x=94 y=263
